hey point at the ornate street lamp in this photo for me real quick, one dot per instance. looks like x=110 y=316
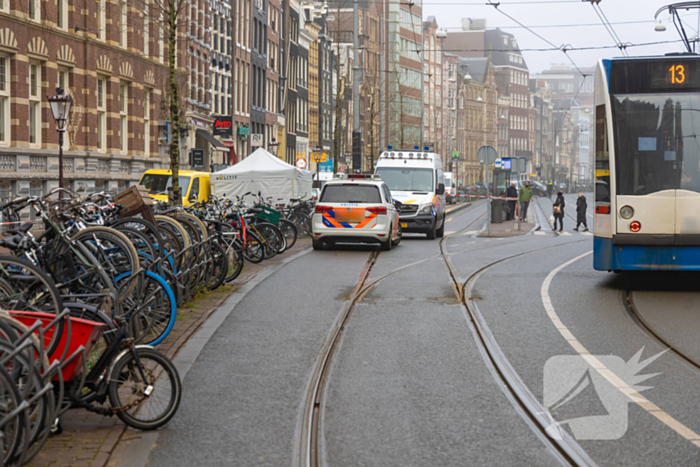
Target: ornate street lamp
x=60 y=108
x=274 y=147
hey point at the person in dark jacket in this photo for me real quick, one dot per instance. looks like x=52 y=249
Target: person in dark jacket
x=558 y=211
x=511 y=192
x=581 y=207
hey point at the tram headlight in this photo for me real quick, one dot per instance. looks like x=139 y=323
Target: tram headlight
x=626 y=212
x=635 y=226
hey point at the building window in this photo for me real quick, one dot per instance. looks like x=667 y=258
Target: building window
x=101 y=115
x=101 y=20
x=4 y=100
x=34 y=10
x=5 y=5
x=146 y=28
x=146 y=122
x=123 y=117
x=34 y=103
x=62 y=14
x=122 y=24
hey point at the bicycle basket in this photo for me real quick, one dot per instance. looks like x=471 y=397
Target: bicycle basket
x=63 y=267
x=268 y=215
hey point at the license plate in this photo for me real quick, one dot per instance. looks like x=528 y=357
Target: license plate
x=404 y=225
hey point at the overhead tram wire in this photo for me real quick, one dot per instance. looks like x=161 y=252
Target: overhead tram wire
x=608 y=27
x=563 y=49
x=566 y=48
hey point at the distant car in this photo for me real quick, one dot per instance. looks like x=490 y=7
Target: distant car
x=538 y=189
x=356 y=209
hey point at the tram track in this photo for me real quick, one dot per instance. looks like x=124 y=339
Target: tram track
x=559 y=442
x=309 y=429
x=636 y=316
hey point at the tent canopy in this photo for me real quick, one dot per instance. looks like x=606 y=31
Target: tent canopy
x=262 y=172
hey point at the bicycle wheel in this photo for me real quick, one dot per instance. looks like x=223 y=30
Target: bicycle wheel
x=254 y=250
x=219 y=266
x=143 y=226
x=127 y=390
x=151 y=309
x=114 y=251
x=25 y=287
x=289 y=231
x=302 y=222
x=234 y=253
x=274 y=240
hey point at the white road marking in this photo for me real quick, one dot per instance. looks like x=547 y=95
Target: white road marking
x=604 y=371
x=586 y=233
x=539 y=232
x=564 y=233
x=471 y=232
x=448 y=220
x=449 y=232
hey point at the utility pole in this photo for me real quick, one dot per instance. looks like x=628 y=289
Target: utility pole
x=382 y=68
x=356 y=132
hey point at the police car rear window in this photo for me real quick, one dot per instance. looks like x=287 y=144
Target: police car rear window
x=350 y=193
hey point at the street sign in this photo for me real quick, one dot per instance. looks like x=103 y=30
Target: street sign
x=487 y=154
x=197 y=157
x=223 y=126
x=256 y=140
x=301 y=163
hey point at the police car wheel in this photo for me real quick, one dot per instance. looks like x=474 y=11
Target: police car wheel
x=398 y=239
x=431 y=233
x=317 y=244
x=441 y=231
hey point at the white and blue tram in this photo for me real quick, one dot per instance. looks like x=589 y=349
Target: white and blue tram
x=647 y=167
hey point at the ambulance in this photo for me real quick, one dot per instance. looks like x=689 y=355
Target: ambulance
x=417 y=181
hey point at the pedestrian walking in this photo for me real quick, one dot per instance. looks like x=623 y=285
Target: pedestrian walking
x=581 y=207
x=550 y=185
x=525 y=196
x=511 y=192
x=558 y=211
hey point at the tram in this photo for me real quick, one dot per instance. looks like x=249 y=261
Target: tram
x=647 y=167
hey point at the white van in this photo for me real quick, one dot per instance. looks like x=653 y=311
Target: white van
x=417 y=180
x=450 y=187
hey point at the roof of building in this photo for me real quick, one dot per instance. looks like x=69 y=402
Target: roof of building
x=476 y=67
x=502 y=46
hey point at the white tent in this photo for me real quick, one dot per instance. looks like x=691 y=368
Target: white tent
x=263 y=172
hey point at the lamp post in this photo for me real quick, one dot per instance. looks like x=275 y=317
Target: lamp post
x=317 y=155
x=60 y=108
x=274 y=147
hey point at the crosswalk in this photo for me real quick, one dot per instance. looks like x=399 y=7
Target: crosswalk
x=539 y=232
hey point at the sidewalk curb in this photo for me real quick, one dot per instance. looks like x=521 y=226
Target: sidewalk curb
x=459 y=207
x=136 y=446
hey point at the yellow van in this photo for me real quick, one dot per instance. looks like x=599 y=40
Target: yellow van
x=195 y=186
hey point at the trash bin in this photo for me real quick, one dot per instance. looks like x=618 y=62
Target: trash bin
x=496 y=211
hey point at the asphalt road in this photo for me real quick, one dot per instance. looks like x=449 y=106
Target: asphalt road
x=409 y=384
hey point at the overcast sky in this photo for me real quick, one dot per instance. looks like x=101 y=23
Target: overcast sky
x=448 y=14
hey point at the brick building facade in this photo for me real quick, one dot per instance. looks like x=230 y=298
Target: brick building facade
x=115 y=69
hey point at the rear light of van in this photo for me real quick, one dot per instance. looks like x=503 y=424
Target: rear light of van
x=322 y=209
x=377 y=210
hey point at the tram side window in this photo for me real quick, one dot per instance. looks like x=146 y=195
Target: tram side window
x=655 y=143
x=602 y=157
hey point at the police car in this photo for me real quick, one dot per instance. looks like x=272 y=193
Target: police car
x=356 y=209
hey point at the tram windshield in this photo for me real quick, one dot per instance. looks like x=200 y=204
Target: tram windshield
x=657 y=142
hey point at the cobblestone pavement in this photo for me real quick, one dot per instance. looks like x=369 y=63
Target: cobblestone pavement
x=88 y=439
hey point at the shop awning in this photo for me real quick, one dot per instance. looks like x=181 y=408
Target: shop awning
x=218 y=146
